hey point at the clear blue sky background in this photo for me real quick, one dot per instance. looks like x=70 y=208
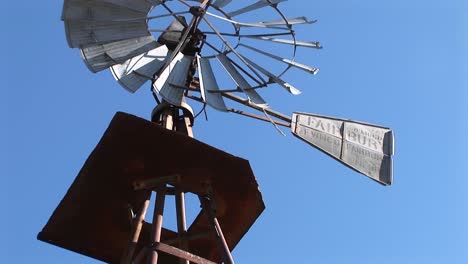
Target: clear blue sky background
x=399 y=63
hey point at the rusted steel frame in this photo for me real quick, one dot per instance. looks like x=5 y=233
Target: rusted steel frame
x=181 y=222
x=157 y=224
x=156 y=183
x=180 y=253
x=141 y=256
x=268 y=111
x=135 y=232
x=216 y=229
x=187 y=238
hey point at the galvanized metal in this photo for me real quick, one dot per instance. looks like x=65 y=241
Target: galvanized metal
x=255 y=6
x=363 y=147
x=291 y=89
x=307 y=44
x=209 y=86
x=98 y=11
x=175 y=74
x=221 y=3
x=284 y=22
x=135 y=72
x=103 y=56
x=295 y=64
x=252 y=95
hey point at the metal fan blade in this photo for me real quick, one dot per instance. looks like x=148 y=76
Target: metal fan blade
x=97 y=11
x=308 y=44
x=289 y=62
x=253 y=96
x=103 y=56
x=282 y=22
x=208 y=85
x=81 y=33
x=133 y=73
x=274 y=78
x=365 y=148
x=137 y=5
x=169 y=82
x=221 y=3
x=240 y=24
x=255 y=6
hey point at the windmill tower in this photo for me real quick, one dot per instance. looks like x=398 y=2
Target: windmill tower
x=103 y=213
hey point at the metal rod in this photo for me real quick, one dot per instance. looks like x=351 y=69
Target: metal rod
x=216 y=228
x=246 y=103
x=157 y=223
x=261 y=118
x=181 y=254
x=137 y=225
x=188 y=238
x=181 y=222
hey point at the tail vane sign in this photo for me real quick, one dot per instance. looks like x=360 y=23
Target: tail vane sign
x=365 y=148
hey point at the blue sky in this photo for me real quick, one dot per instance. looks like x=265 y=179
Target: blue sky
x=401 y=64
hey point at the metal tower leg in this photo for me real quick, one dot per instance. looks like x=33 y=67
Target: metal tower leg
x=137 y=224
x=157 y=223
x=208 y=208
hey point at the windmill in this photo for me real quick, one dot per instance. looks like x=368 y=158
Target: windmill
x=197 y=42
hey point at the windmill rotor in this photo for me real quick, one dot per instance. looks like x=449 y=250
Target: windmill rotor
x=213 y=52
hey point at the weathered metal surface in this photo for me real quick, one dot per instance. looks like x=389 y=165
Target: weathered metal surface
x=135 y=72
x=137 y=5
x=255 y=6
x=253 y=96
x=103 y=56
x=98 y=11
x=365 y=148
x=209 y=209
x=221 y=3
x=137 y=225
x=83 y=33
x=175 y=75
x=291 y=89
x=308 y=44
x=92 y=218
x=156 y=229
x=282 y=22
x=295 y=64
x=181 y=254
x=209 y=86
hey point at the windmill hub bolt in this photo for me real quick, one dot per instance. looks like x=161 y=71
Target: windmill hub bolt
x=197 y=11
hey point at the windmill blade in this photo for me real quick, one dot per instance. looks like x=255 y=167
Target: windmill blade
x=282 y=22
x=209 y=87
x=103 y=56
x=133 y=73
x=137 y=5
x=241 y=24
x=221 y=3
x=308 y=44
x=365 y=148
x=82 y=33
x=252 y=95
x=273 y=77
x=289 y=62
x=255 y=6
x=97 y=11
x=172 y=78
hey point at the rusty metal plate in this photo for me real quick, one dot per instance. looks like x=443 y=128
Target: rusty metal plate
x=363 y=147
x=92 y=218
